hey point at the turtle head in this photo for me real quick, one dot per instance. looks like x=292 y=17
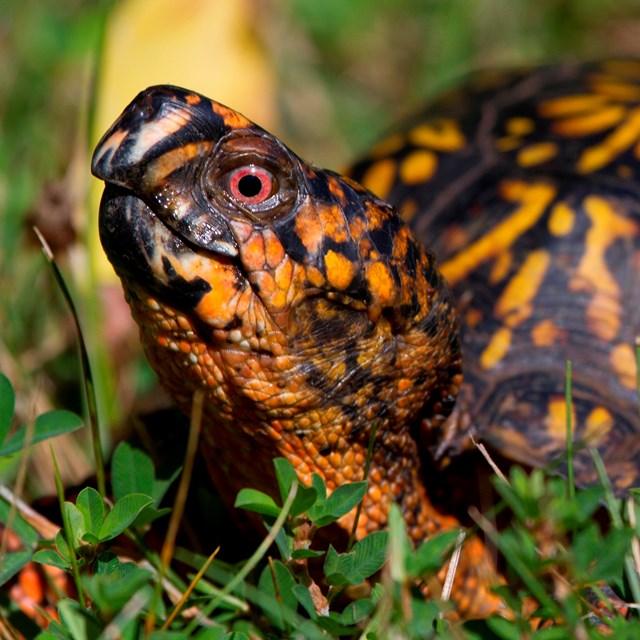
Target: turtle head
x=294 y=295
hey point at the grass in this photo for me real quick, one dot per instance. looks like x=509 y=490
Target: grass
x=345 y=72
x=552 y=550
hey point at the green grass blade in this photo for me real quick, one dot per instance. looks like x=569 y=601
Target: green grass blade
x=45 y=426
x=86 y=368
x=7 y=406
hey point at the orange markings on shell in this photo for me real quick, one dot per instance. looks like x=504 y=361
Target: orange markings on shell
x=473 y=317
x=501 y=267
x=556 y=420
x=441 y=135
x=591 y=122
x=623 y=360
x=497 y=348
x=533 y=199
x=418 y=167
x=597 y=426
x=516 y=301
x=547 y=333
x=604 y=315
x=618 y=141
x=562 y=219
x=537 y=153
x=520 y=126
x=570 y=105
x=607 y=226
x=376 y=217
x=380 y=177
x=614 y=89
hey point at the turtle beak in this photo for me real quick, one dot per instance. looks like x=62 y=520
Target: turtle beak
x=149 y=126
x=154 y=151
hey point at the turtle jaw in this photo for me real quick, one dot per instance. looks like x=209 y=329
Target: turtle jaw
x=145 y=252
x=129 y=233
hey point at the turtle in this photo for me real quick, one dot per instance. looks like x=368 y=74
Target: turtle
x=433 y=292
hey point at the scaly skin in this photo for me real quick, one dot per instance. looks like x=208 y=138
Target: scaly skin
x=300 y=303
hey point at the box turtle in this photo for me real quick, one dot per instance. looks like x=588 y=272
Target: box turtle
x=308 y=309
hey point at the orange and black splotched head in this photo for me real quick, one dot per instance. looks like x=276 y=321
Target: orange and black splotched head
x=190 y=181
x=278 y=285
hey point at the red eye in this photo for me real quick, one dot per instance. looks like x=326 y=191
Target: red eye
x=251 y=184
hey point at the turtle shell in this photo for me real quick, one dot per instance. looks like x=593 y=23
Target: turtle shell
x=526 y=187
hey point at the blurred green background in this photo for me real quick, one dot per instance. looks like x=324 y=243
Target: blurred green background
x=339 y=74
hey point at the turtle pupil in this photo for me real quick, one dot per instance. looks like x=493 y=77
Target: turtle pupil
x=249 y=186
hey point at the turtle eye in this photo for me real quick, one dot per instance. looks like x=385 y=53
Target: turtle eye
x=251 y=184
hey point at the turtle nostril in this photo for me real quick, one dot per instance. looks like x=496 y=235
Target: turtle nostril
x=149 y=106
x=145 y=110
